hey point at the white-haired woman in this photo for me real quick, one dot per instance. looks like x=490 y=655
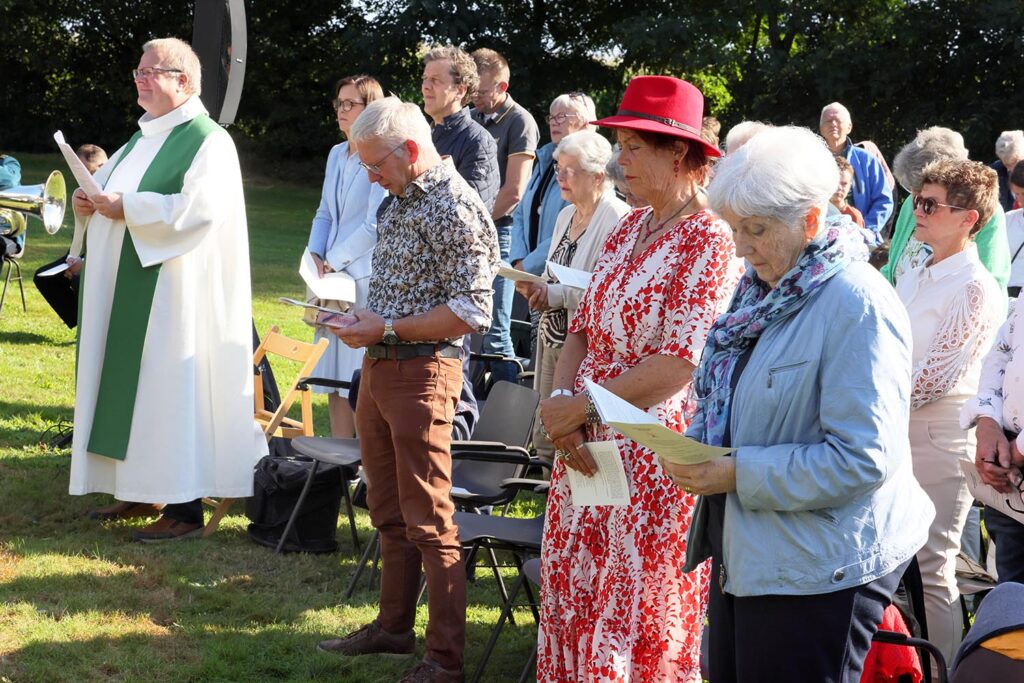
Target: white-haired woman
x=342 y=238
x=533 y=221
x=1009 y=152
x=812 y=520
x=906 y=251
x=955 y=309
x=580 y=232
x=613 y=169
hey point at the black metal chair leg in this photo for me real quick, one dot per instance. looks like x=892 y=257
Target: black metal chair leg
x=21 y=286
x=351 y=516
x=497 y=576
x=530 y=663
x=506 y=615
x=7 y=280
x=364 y=560
x=298 y=506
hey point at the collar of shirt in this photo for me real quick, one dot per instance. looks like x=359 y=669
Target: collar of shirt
x=500 y=112
x=950 y=265
x=426 y=181
x=457 y=120
x=191 y=108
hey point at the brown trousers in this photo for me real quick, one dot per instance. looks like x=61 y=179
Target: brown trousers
x=404 y=419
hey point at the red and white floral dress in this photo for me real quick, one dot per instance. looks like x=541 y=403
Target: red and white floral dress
x=615 y=603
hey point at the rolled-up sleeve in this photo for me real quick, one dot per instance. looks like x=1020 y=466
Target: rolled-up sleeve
x=471 y=245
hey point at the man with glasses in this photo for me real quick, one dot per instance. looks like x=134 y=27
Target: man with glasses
x=436 y=255
x=516 y=136
x=164 y=402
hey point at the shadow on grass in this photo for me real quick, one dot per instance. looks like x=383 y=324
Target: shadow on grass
x=22 y=337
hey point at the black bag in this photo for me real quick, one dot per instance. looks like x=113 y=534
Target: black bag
x=278 y=482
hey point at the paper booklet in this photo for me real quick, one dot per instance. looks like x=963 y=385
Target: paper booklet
x=508 y=272
x=570 y=277
x=78 y=169
x=330 y=287
x=608 y=486
x=644 y=428
x=59 y=268
x=324 y=316
x=1010 y=504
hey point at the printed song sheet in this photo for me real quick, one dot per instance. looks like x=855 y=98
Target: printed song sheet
x=508 y=272
x=330 y=287
x=1010 y=504
x=645 y=429
x=608 y=486
x=570 y=277
x=78 y=169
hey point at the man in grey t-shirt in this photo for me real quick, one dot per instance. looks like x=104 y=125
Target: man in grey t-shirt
x=516 y=134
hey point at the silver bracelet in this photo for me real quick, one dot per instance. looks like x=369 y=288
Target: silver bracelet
x=561 y=392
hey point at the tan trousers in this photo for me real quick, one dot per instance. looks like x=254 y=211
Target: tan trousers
x=547 y=358
x=939 y=446
x=404 y=417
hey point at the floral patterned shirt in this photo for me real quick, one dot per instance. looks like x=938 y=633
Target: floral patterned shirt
x=1001 y=385
x=435 y=246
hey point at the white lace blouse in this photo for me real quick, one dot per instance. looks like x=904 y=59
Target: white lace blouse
x=955 y=309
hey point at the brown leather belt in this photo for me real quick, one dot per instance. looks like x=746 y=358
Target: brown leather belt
x=409 y=351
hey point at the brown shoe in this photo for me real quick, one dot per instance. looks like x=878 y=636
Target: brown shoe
x=371 y=639
x=429 y=671
x=124 y=510
x=166 y=529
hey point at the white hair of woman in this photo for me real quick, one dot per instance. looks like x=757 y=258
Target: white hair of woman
x=929 y=145
x=1010 y=147
x=781 y=173
x=391 y=121
x=580 y=104
x=591 y=150
x=177 y=54
x=613 y=169
x=741 y=133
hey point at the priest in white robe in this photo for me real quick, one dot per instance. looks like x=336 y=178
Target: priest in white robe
x=164 y=399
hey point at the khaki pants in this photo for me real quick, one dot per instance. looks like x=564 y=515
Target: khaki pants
x=404 y=418
x=547 y=358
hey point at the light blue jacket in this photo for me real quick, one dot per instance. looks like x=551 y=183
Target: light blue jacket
x=552 y=203
x=826 y=497
x=344 y=230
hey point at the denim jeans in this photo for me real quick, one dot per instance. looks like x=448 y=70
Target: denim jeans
x=1008 y=535
x=498 y=339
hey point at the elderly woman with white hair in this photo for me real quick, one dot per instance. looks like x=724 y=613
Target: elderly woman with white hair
x=533 y=221
x=580 y=232
x=905 y=250
x=812 y=519
x=1009 y=152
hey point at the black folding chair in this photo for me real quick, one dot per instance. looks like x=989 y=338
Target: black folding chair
x=529 y=574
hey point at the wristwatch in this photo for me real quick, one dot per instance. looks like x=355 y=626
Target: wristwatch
x=561 y=392
x=389 y=332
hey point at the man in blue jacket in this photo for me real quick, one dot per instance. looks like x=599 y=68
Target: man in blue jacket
x=871 y=193
x=10 y=176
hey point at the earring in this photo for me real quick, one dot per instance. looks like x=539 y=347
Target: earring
x=675 y=167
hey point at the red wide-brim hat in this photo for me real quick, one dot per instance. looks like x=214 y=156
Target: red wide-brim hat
x=662 y=104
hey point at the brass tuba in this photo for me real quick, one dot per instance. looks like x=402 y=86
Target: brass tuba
x=46 y=202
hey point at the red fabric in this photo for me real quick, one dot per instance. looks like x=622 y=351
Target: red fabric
x=887 y=662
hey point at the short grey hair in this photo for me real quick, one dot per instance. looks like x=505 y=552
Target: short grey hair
x=936 y=143
x=741 y=133
x=839 y=108
x=580 y=104
x=1010 y=145
x=782 y=173
x=613 y=169
x=391 y=121
x=592 y=151
x=177 y=54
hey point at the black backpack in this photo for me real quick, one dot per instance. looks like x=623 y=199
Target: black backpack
x=277 y=483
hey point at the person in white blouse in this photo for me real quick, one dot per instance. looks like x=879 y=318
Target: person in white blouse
x=1015 y=232
x=580 y=231
x=343 y=236
x=955 y=307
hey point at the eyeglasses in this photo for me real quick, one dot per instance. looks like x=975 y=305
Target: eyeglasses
x=150 y=71
x=929 y=205
x=560 y=118
x=345 y=105
x=375 y=168
x=566 y=171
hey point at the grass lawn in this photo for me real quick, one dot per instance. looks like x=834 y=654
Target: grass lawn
x=79 y=602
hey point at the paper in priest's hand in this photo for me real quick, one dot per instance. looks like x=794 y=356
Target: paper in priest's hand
x=644 y=428
x=608 y=486
x=508 y=272
x=330 y=287
x=78 y=169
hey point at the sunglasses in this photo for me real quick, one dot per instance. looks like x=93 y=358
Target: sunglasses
x=929 y=205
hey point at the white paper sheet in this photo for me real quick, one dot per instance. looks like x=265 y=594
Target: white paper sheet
x=510 y=273
x=78 y=169
x=570 y=277
x=1004 y=502
x=645 y=429
x=608 y=486
x=330 y=287
x=59 y=268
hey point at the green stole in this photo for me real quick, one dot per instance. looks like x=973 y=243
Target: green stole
x=133 y=295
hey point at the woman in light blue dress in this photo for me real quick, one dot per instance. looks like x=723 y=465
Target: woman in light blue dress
x=343 y=236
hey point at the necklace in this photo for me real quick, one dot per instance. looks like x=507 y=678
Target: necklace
x=648 y=230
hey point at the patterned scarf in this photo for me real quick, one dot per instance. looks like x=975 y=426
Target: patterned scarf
x=755 y=307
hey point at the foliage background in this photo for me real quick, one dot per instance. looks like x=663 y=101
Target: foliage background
x=898 y=64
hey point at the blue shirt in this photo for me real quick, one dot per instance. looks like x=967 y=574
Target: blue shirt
x=551 y=204
x=871 y=193
x=10 y=175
